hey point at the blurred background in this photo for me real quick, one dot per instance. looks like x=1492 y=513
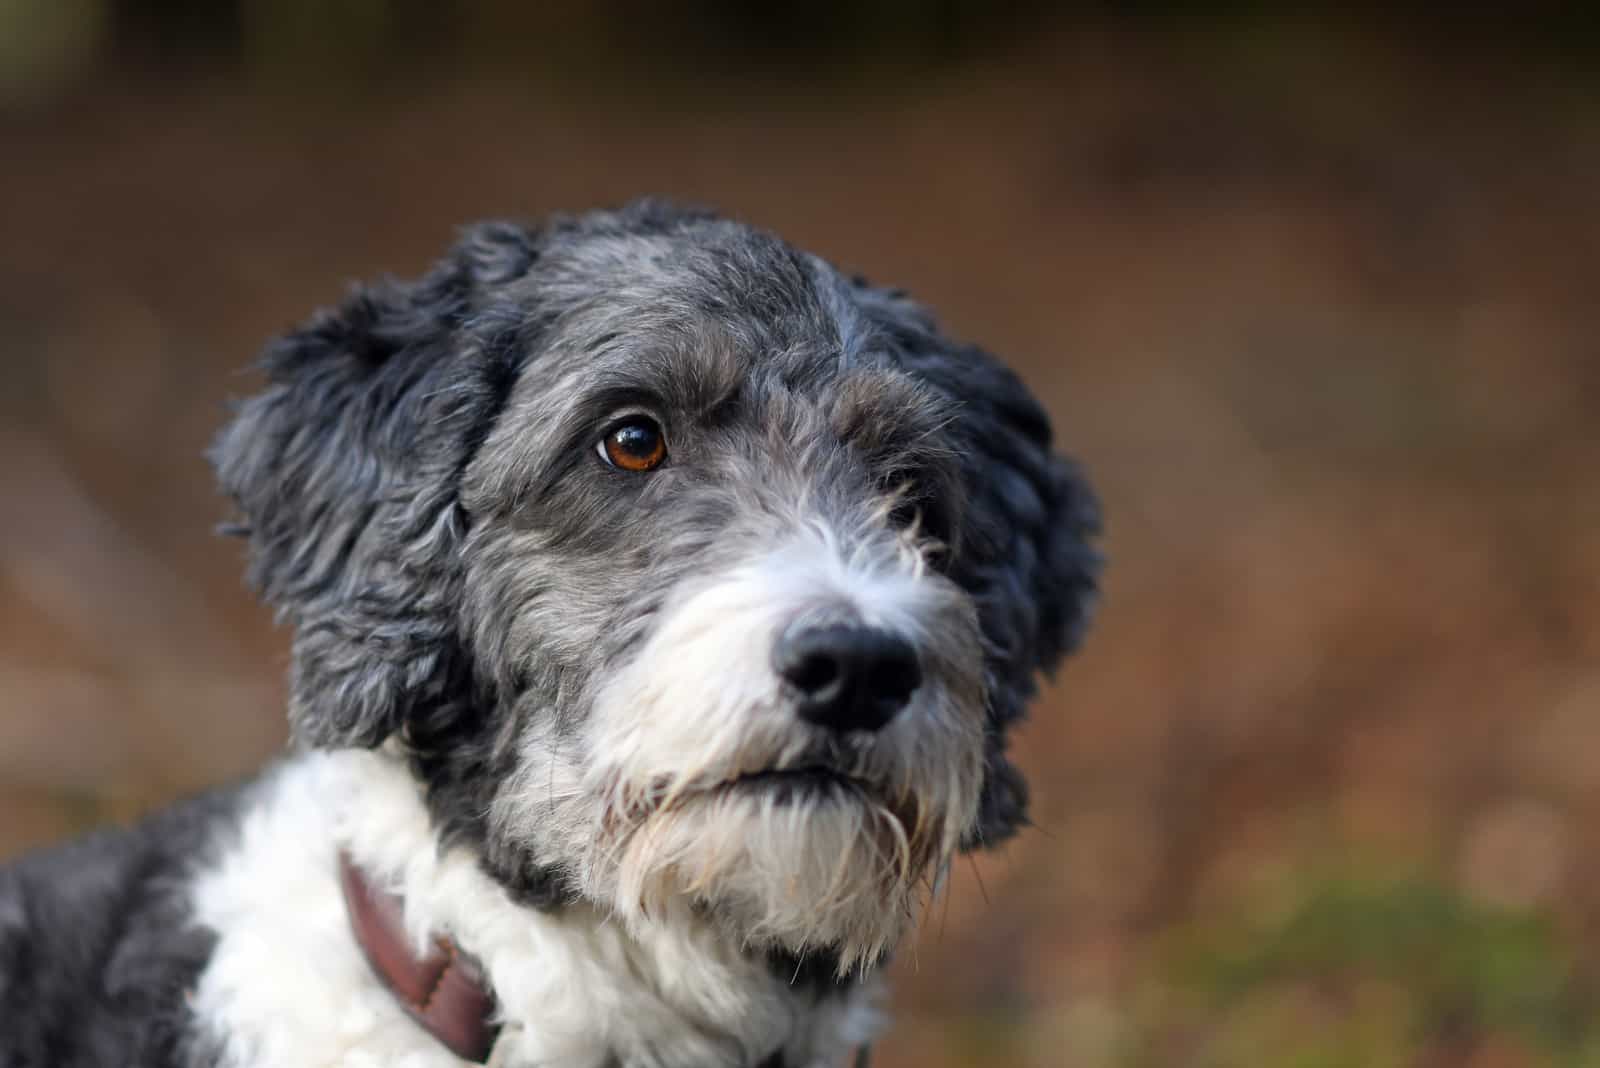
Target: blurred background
x=1314 y=300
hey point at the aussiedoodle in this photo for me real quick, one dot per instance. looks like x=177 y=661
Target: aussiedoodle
x=661 y=598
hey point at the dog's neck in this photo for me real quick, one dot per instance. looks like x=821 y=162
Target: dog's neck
x=288 y=984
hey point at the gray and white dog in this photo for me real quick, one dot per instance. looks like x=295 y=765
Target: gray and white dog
x=661 y=598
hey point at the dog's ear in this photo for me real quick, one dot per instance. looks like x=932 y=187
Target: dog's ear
x=1025 y=549
x=345 y=472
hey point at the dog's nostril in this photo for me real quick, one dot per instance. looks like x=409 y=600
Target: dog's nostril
x=897 y=673
x=849 y=677
x=814 y=673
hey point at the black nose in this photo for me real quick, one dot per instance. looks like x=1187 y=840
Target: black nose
x=849 y=677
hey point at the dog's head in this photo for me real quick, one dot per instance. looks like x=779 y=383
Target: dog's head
x=687 y=572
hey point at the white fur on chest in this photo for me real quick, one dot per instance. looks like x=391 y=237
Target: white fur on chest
x=287 y=986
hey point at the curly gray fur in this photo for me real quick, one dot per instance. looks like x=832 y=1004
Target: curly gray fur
x=406 y=436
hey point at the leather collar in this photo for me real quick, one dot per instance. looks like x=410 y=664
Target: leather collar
x=444 y=991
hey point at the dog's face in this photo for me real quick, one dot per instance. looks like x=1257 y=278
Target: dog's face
x=705 y=559
x=689 y=574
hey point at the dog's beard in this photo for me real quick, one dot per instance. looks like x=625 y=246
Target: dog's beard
x=712 y=794
x=840 y=874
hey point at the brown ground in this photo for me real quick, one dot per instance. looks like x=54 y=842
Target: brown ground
x=1320 y=320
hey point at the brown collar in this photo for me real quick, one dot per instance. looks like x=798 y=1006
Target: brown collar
x=445 y=991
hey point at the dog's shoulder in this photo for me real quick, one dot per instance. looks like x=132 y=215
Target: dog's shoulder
x=98 y=948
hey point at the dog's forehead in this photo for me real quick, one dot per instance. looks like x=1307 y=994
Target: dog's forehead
x=719 y=288
x=690 y=322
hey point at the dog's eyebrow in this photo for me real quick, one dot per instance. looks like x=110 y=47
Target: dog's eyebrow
x=886 y=412
x=691 y=379
x=704 y=375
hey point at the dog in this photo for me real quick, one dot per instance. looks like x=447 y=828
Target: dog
x=661 y=599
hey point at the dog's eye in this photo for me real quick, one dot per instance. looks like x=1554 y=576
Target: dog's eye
x=635 y=444
x=915 y=504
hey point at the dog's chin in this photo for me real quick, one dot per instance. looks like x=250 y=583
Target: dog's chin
x=802 y=860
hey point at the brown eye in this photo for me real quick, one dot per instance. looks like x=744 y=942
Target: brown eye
x=637 y=444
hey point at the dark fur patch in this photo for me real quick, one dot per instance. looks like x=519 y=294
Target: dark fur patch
x=98 y=950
